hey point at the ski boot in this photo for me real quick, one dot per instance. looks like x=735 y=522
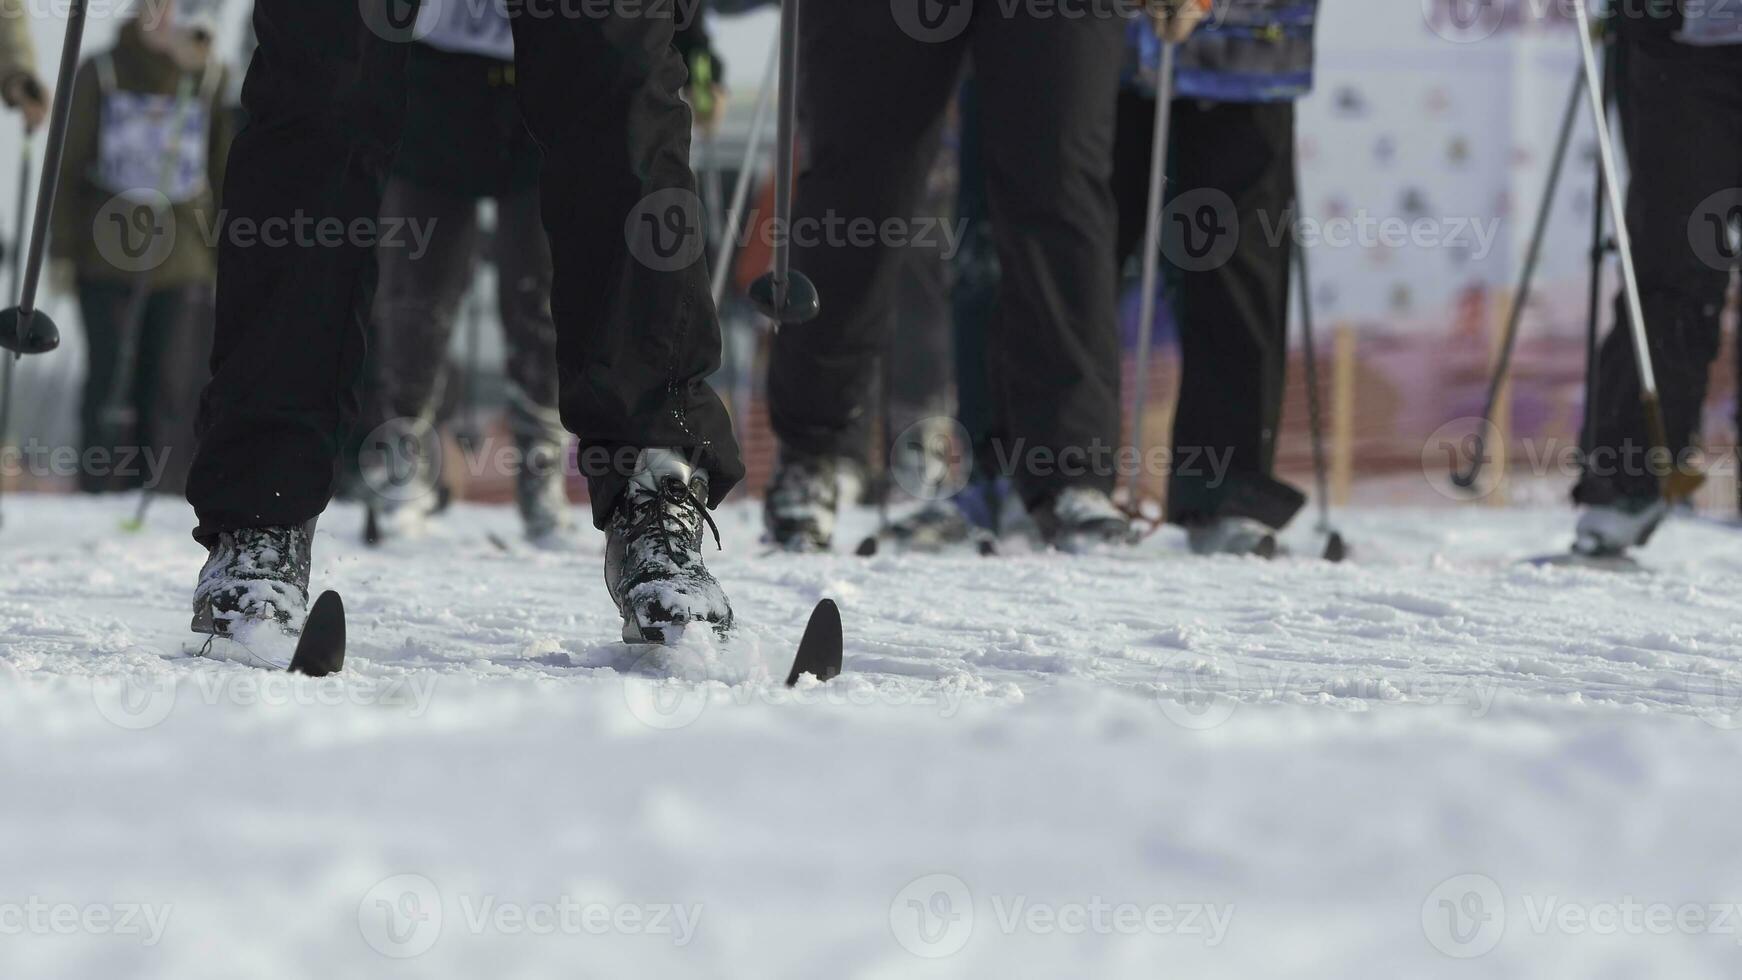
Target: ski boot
x=1080 y=520
x=653 y=552
x=252 y=595
x=541 y=494
x=1231 y=536
x=799 y=510
x=1607 y=531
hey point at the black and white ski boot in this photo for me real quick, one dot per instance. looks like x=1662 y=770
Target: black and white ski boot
x=799 y=510
x=1081 y=520
x=1232 y=536
x=1607 y=531
x=653 y=552
x=252 y=595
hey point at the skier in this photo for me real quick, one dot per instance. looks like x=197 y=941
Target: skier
x=877 y=82
x=144 y=167
x=19 y=86
x=636 y=329
x=1678 y=73
x=1238 y=77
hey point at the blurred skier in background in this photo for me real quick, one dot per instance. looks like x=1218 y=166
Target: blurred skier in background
x=1240 y=69
x=465 y=141
x=1680 y=98
x=20 y=87
x=870 y=137
x=147 y=142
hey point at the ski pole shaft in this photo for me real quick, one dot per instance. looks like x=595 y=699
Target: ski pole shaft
x=51 y=162
x=1309 y=341
x=741 y=188
x=1151 y=247
x=789 y=10
x=1466 y=478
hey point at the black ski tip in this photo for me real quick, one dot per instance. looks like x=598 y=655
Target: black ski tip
x=371 y=528
x=1336 y=549
x=321 y=650
x=867 y=548
x=820 y=652
x=1267 y=548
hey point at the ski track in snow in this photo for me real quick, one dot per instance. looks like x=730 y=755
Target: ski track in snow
x=1318 y=748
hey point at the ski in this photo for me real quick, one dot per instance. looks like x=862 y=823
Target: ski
x=1624 y=564
x=820 y=652
x=321 y=649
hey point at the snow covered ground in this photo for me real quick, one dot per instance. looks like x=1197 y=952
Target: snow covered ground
x=1429 y=763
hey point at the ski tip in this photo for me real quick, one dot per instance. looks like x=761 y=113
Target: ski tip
x=321 y=650
x=1336 y=549
x=867 y=548
x=371 y=528
x=820 y=652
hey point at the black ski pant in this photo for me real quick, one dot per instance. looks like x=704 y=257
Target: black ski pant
x=1683 y=131
x=421 y=295
x=1236 y=160
x=142 y=383
x=636 y=329
x=873 y=100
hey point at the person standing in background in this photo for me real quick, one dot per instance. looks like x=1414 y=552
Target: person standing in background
x=1680 y=98
x=1240 y=68
x=147 y=142
x=19 y=85
x=464 y=141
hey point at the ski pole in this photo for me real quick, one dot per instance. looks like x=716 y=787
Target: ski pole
x=785 y=295
x=1151 y=250
x=1677 y=484
x=1336 y=549
x=8 y=372
x=741 y=187
x=23 y=328
x=1466 y=478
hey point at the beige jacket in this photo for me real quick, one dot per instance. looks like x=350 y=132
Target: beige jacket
x=17 y=55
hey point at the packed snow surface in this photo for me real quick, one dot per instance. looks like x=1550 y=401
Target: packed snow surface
x=1431 y=762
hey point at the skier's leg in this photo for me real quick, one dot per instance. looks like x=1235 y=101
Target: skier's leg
x=523 y=276
x=324 y=95
x=167 y=381
x=637 y=334
x=415 y=310
x=873 y=100
x=1233 y=316
x=1676 y=165
x=1047 y=90
x=100 y=307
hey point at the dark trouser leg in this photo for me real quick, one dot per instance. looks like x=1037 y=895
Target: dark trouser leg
x=1232 y=314
x=1678 y=159
x=523 y=275
x=102 y=306
x=637 y=334
x=175 y=335
x=872 y=101
x=1047 y=90
x=974 y=296
x=420 y=295
x=324 y=96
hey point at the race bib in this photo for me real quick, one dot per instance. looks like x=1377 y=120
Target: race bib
x=467 y=27
x=1709 y=23
x=152 y=143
